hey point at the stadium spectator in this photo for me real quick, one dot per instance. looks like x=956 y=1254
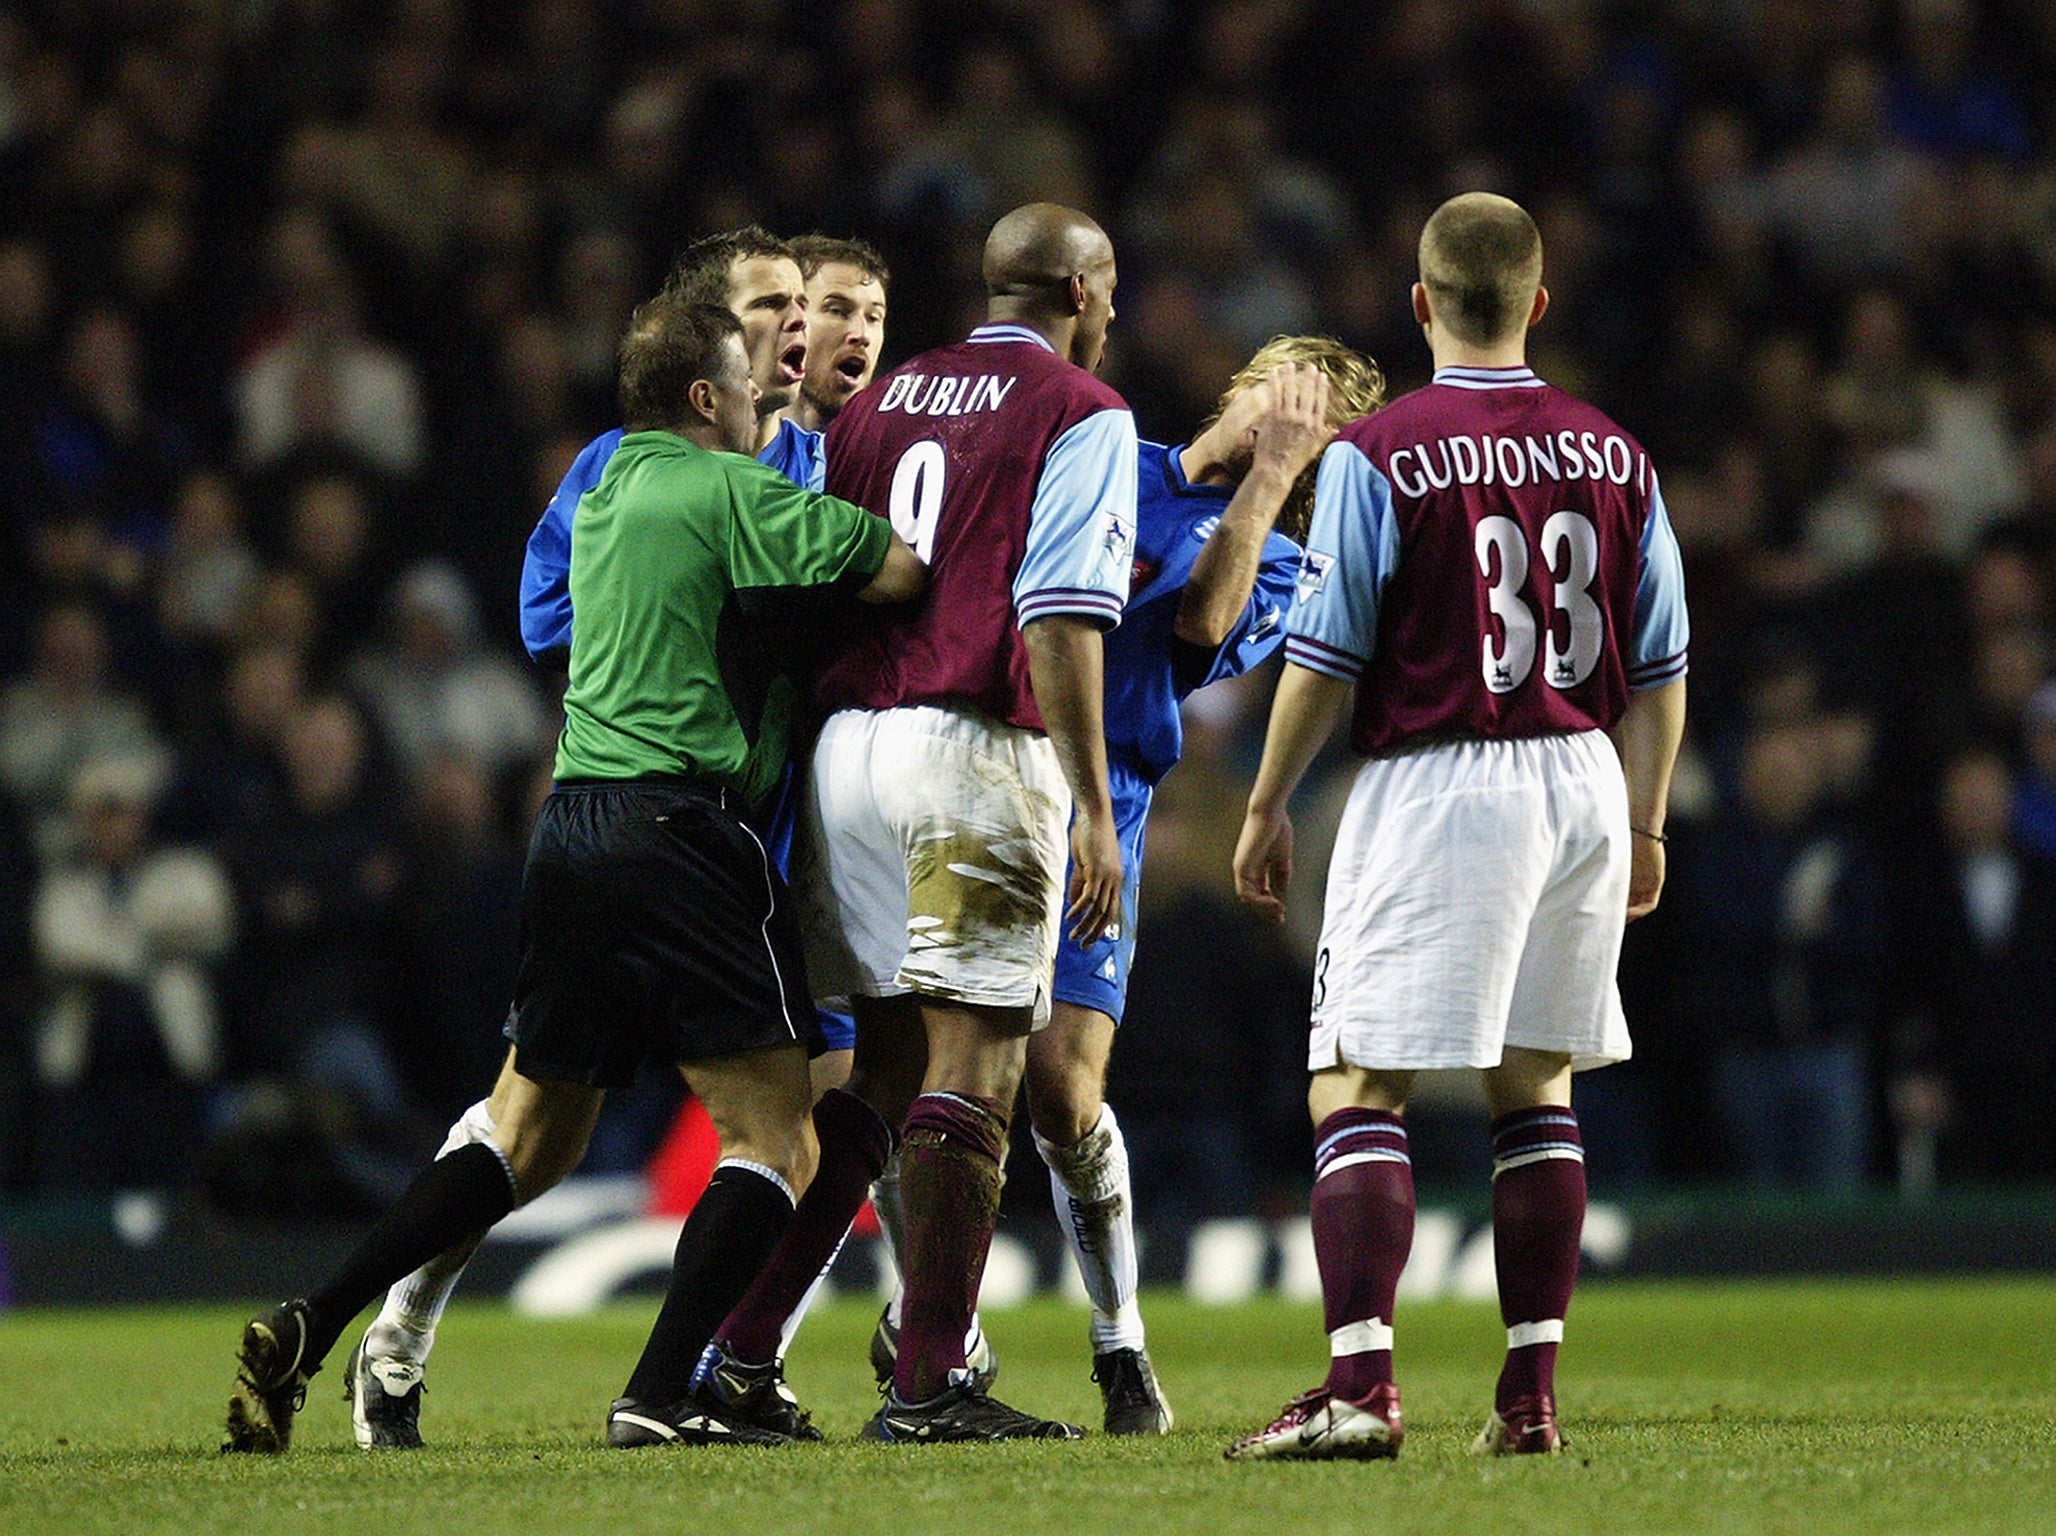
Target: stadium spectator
x=1976 y=1019
x=19 y=875
x=1787 y=912
x=320 y=383
x=315 y=882
x=207 y=568
x=434 y=690
x=62 y=713
x=129 y=1034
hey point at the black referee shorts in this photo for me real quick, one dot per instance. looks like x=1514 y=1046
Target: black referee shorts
x=652 y=924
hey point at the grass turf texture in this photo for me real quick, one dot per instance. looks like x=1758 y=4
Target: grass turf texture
x=1916 y=1406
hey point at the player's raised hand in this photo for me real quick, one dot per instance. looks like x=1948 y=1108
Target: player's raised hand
x=1293 y=427
x=1095 y=890
x=1263 y=861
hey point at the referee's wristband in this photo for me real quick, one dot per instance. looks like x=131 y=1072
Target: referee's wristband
x=1654 y=837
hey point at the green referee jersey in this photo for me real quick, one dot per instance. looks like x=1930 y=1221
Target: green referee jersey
x=669 y=553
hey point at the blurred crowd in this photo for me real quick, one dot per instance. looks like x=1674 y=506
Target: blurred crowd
x=306 y=304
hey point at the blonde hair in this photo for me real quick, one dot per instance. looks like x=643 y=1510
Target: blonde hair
x=1359 y=389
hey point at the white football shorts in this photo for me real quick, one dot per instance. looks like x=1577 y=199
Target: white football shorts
x=1476 y=900
x=933 y=858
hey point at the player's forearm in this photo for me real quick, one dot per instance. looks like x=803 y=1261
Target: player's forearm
x=1303 y=715
x=900 y=577
x=1224 y=574
x=1648 y=737
x=1066 y=669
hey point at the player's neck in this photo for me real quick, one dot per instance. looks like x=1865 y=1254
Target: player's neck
x=1004 y=309
x=1448 y=352
x=767 y=428
x=805 y=415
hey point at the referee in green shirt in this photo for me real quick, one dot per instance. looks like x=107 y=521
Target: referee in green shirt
x=652 y=921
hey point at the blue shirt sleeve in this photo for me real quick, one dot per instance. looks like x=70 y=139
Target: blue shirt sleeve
x=1657 y=653
x=1081 y=528
x=1351 y=554
x=1260 y=629
x=546 y=567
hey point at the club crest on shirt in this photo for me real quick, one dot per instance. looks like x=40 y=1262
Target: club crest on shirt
x=1313 y=574
x=1117 y=542
x=1141 y=573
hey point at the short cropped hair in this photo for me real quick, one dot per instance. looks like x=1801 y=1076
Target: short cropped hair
x=700 y=274
x=813 y=252
x=1481 y=262
x=1358 y=386
x=669 y=344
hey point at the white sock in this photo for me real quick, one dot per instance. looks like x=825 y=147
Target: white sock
x=892 y=1221
x=1089 y=1186
x=405 y=1325
x=791 y=1325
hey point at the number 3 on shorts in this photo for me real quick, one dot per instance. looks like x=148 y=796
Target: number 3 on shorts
x=917 y=495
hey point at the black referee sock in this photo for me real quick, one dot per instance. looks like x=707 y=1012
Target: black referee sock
x=454 y=1199
x=726 y=1240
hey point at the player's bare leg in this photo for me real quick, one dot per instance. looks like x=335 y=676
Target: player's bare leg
x=854 y=1126
x=387 y=1372
x=954 y=1144
x=760 y=1104
x=1363 y=1220
x=541 y=1130
x=1538 y=1219
x=1081 y=1144
x=831 y=1069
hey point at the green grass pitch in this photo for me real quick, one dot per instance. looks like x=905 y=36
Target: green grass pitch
x=1808 y=1407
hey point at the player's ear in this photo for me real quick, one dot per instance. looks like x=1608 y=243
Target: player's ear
x=1076 y=290
x=1541 y=304
x=700 y=393
x=1420 y=303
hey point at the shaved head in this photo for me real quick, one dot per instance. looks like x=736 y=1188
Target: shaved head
x=1481 y=262
x=1052 y=269
x=1041 y=246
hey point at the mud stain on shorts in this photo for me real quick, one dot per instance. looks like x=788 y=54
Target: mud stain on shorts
x=974 y=896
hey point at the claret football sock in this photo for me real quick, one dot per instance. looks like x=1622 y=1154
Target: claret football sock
x=855 y=1142
x=1363 y=1221
x=893 y=1224
x=950 y=1159
x=1089 y=1186
x=733 y=1227
x=1538 y=1218
x=453 y=1201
